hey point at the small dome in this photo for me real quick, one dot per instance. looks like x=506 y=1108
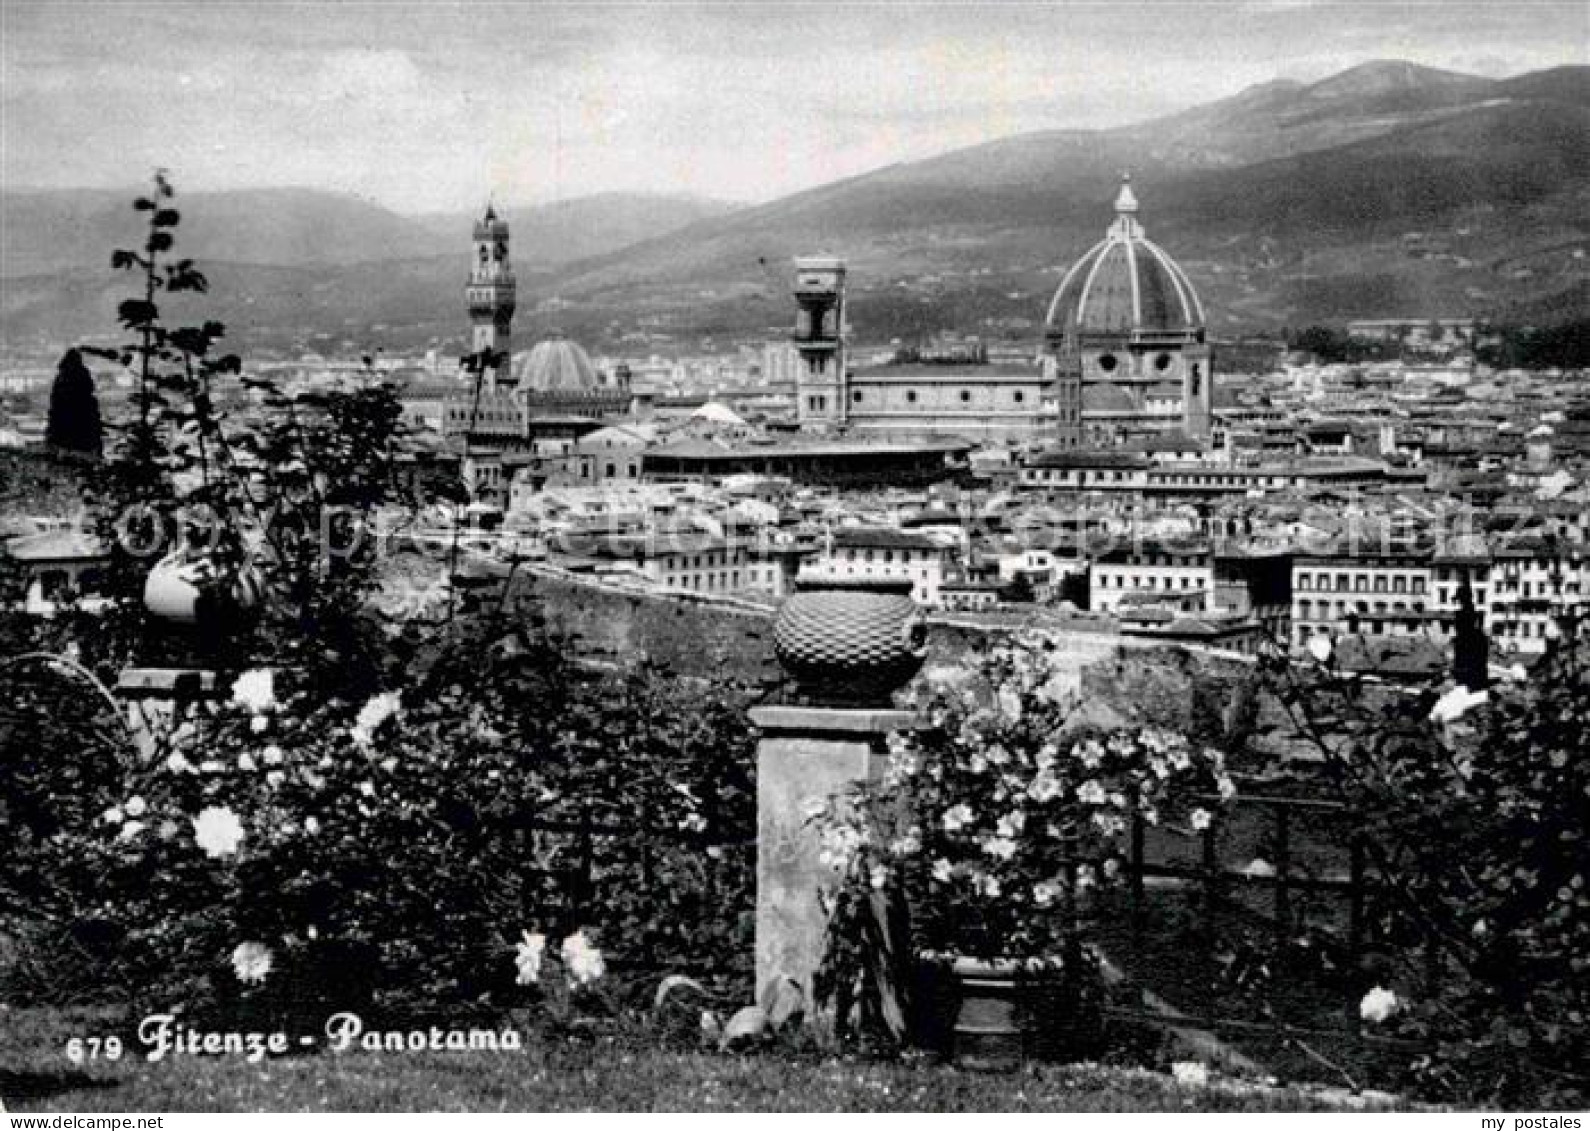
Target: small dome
x=1125 y=283
x=556 y=365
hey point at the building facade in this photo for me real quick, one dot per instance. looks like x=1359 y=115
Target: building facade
x=886 y=552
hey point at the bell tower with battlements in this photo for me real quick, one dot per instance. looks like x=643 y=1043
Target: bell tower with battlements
x=490 y=296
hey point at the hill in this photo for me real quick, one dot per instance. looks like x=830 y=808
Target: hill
x=586 y=226
x=47 y=231
x=1389 y=189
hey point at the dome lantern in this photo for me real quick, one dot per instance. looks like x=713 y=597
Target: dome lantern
x=1126 y=226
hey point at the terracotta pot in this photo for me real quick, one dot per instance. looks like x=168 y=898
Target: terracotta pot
x=850 y=640
x=988 y=1034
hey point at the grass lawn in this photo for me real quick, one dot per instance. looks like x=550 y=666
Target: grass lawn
x=602 y=1073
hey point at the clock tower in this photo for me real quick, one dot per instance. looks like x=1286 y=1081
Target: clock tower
x=490 y=297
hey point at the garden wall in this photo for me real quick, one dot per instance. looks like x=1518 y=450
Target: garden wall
x=1172 y=686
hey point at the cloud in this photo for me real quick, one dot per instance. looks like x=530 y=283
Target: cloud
x=368 y=73
x=431 y=105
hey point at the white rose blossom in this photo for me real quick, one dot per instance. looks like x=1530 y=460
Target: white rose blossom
x=957 y=818
x=1378 y=1005
x=255 y=691
x=582 y=960
x=218 y=831
x=527 y=956
x=378 y=710
x=252 y=962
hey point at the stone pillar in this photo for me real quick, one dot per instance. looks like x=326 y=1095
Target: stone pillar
x=804 y=754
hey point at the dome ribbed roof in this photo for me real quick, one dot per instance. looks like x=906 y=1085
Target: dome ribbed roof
x=1125 y=283
x=557 y=365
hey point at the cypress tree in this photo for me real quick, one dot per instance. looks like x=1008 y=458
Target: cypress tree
x=74 y=424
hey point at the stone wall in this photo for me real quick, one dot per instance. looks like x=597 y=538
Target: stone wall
x=1199 y=692
x=686 y=634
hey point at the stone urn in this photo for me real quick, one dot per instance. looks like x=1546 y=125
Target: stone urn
x=850 y=641
x=181 y=591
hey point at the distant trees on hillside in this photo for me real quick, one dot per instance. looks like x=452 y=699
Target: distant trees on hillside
x=1332 y=346
x=1566 y=346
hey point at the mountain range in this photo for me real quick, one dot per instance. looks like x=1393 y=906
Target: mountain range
x=1387 y=190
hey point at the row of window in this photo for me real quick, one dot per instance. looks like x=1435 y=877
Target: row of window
x=1521 y=629
x=1537 y=588
x=1329 y=610
x=721 y=581
x=905 y=556
x=1362 y=583
x=1017 y=396
x=1169 y=561
x=1052 y=475
x=1150 y=582
x=1381 y=628
x=1235 y=482
x=703 y=560
x=900 y=571
x=1108 y=362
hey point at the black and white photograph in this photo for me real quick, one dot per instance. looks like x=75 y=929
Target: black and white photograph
x=828 y=556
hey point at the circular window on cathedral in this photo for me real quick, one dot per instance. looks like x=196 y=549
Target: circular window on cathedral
x=966 y=396
x=1108 y=363
x=1162 y=362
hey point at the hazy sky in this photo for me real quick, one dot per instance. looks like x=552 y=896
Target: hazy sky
x=429 y=106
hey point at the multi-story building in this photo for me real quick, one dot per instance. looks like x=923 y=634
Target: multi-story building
x=1135 y=473
x=1180 y=576
x=1384 y=591
x=705 y=564
x=884 y=551
x=1520 y=588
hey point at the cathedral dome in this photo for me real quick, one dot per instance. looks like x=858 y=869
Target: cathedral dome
x=557 y=365
x=1125 y=284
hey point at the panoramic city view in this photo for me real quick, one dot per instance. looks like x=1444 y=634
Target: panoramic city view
x=866 y=557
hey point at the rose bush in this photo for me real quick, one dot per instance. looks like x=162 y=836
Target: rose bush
x=402 y=782
x=995 y=825
x=292 y=851
x=1474 y=806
